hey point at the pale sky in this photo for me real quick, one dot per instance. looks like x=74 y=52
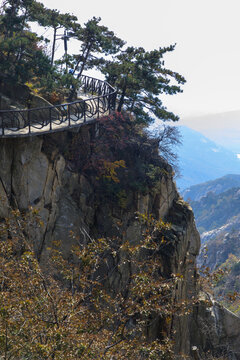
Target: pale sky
x=207 y=33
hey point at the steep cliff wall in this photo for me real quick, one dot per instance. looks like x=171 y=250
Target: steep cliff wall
x=37 y=172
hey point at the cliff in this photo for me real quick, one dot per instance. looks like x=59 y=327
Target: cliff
x=53 y=174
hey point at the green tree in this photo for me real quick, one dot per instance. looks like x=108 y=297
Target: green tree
x=96 y=40
x=21 y=52
x=54 y=19
x=140 y=77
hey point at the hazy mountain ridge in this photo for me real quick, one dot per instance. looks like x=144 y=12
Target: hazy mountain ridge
x=218 y=212
x=215 y=210
x=222 y=255
x=223 y=128
x=232 y=224
x=217 y=186
x=201 y=159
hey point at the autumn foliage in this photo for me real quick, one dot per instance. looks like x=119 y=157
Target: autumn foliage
x=67 y=309
x=119 y=152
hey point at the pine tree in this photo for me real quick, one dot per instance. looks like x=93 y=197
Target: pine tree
x=96 y=40
x=21 y=54
x=140 y=77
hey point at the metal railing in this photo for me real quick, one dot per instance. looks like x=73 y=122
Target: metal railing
x=35 y=121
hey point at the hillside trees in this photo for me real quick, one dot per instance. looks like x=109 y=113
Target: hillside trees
x=140 y=77
x=96 y=40
x=111 y=155
x=21 y=54
x=54 y=19
x=67 y=309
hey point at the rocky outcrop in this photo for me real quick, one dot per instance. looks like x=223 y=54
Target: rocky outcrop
x=36 y=172
x=20 y=97
x=215 y=330
x=16 y=96
x=221 y=244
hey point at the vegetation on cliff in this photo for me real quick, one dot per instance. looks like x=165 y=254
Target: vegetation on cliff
x=123 y=156
x=69 y=305
x=66 y=310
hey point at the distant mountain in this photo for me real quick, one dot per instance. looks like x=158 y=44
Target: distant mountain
x=222 y=255
x=232 y=224
x=217 y=186
x=218 y=215
x=201 y=159
x=216 y=205
x=222 y=128
x=215 y=210
x=219 y=248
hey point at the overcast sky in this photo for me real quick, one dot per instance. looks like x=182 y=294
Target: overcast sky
x=207 y=33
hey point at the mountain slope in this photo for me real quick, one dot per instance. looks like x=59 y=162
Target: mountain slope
x=215 y=210
x=222 y=256
x=200 y=159
x=217 y=186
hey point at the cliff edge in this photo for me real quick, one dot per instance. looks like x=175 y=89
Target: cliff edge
x=74 y=190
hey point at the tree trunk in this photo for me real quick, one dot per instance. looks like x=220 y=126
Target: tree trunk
x=54 y=44
x=121 y=101
x=78 y=62
x=84 y=61
x=81 y=70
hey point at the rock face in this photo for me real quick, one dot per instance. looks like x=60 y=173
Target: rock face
x=34 y=172
x=215 y=330
x=20 y=97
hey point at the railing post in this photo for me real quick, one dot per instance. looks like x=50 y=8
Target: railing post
x=50 y=118
x=109 y=104
x=68 y=114
x=2 y=126
x=29 y=121
x=114 y=101
x=98 y=106
x=195 y=353
x=84 y=111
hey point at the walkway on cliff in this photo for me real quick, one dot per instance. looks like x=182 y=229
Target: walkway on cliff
x=96 y=99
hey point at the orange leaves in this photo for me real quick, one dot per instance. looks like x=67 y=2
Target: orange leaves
x=96 y=305
x=149 y=220
x=110 y=169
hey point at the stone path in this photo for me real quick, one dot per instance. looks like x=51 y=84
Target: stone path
x=56 y=125
x=26 y=131
x=93 y=107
